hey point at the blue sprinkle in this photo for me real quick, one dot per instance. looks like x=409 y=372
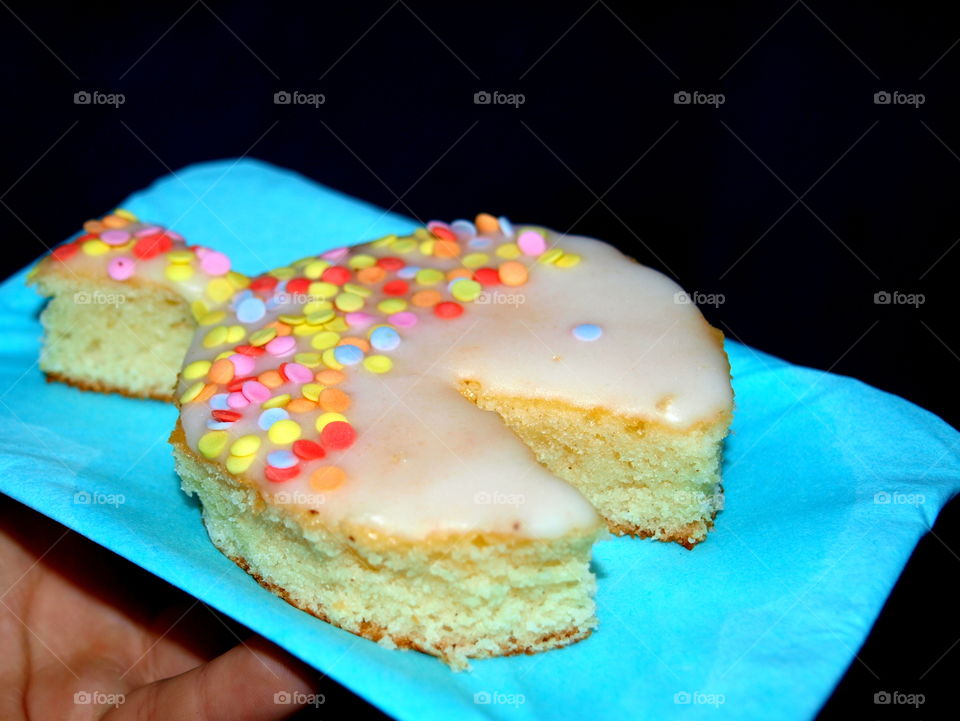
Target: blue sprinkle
x=271 y=416
x=348 y=355
x=384 y=338
x=282 y=459
x=219 y=425
x=408 y=271
x=506 y=227
x=587 y=332
x=219 y=402
x=250 y=310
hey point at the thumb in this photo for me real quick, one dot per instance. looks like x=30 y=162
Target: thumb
x=255 y=681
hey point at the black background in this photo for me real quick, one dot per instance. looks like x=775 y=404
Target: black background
x=708 y=195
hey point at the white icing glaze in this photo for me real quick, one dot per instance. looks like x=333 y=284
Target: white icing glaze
x=428 y=460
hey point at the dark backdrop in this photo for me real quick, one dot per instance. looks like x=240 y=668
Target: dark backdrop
x=799 y=198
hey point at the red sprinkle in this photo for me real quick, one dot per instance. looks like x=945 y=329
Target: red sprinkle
x=279 y=475
x=263 y=284
x=391 y=263
x=443 y=233
x=250 y=350
x=336 y=274
x=62 y=252
x=226 y=416
x=396 y=287
x=448 y=309
x=338 y=435
x=486 y=276
x=236 y=385
x=298 y=286
x=150 y=246
x=308 y=450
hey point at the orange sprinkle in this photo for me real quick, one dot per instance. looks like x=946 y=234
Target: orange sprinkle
x=425 y=298
x=271 y=379
x=373 y=274
x=301 y=405
x=446 y=248
x=221 y=371
x=207 y=393
x=327 y=478
x=361 y=343
x=330 y=377
x=459 y=273
x=486 y=223
x=281 y=328
x=513 y=272
x=334 y=399
x=115 y=221
x=93 y=226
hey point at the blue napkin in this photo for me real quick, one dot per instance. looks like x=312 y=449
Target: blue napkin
x=830 y=483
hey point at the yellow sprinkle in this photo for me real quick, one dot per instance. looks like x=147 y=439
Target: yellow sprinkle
x=311 y=391
x=245 y=446
x=263 y=336
x=236 y=333
x=178 y=272
x=310 y=360
x=337 y=325
x=219 y=290
x=292 y=319
x=392 y=305
x=348 y=302
x=427 y=246
x=217 y=336
x=404 y=245
x=315 y=306
x=330 y=360
x=475 y=260
x=212 y=443
x=377 y=363
x=324 y=418
x=466 y=290
x=238 y=280
x=550 y=256
x=385 y=241
x=197 y=369
x=323 y=289
x=180 y=256
x=199 y=309
x=568 y=260
x=327 y=339
x=314 y=269
x=422 y=234
x=320 y=317
x=284 y=431
x=509 y=251
x=361 y=260
x=95 y=247
x=123 y=213
x=276 y=402
x=429 y=276
x=192 y=392
x=239 y=464
x=306 y=329
x=225 y=354
x=212 y=318
x=360 y=290
x=283 y=273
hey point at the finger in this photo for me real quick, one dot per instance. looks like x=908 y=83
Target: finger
x=255 y=681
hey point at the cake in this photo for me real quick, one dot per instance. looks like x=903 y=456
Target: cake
x=420 y=438
x=126 y=298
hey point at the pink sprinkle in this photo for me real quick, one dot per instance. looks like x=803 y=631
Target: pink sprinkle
x=335 y=254
x=115 y=237
x=297 y=373
x=282 y=345
x=242 y=364
x=531 y=243
x=404 y=319
x=174 y=236
x=121 y=268
x=255 y=392
x=148 y=230
x=359 y=319
x=214 y=263
x=237 y=401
